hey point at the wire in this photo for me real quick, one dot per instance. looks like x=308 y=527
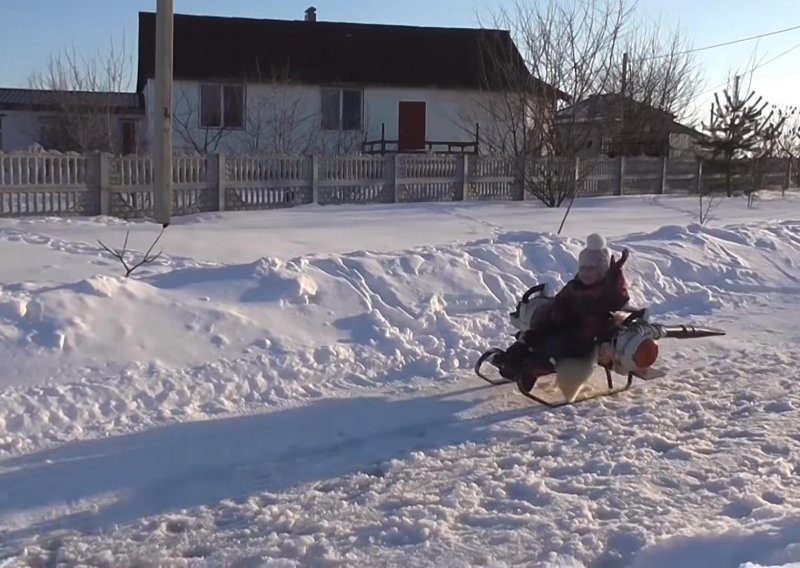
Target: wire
x=725 y=43
x=753 y=70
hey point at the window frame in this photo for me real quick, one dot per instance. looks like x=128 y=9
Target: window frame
x=221 y=90
x=50 y=125
x=131 y=123
x=340 y=91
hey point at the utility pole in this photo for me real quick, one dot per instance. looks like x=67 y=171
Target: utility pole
x=624 y=73
x=623 y=105
x=162 y=147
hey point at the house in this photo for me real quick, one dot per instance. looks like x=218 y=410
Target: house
x=68 y=120
x=612 y=125
x=684 y=142
x=296 y=86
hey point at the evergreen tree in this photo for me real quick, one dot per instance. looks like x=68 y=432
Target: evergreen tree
x=738 y=130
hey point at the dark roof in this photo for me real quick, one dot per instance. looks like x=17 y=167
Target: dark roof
x=679 y=128
x=607 y=106
x=224 y=48
x=40 y=99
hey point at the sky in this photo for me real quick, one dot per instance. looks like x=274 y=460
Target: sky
x=32 y=29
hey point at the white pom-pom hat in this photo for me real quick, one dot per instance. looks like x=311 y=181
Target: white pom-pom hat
x=596 y=254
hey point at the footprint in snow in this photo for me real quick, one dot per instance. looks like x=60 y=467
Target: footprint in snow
x=779 y=406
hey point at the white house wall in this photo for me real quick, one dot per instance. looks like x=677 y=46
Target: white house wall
x=20 y=129
x=450 y=116
x=189 y=135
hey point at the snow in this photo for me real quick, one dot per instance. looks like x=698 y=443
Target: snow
x=295 y=387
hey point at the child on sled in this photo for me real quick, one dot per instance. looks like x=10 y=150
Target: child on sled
x=565 y=337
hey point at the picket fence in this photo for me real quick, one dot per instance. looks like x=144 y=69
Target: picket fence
x=53 y=184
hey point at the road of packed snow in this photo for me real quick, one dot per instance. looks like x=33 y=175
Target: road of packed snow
x=294 y=388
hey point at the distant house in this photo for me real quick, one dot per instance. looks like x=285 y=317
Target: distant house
x=612 y=125
x=683 y=142
x=61 y=120
x=283 y=86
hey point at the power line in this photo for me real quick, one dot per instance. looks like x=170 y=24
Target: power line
x=754 y=69
x=725 y=43
x=759 y=66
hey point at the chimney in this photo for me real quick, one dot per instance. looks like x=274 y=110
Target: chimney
x=311 y=14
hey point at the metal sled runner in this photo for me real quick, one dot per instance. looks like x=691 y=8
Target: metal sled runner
x=612 y=390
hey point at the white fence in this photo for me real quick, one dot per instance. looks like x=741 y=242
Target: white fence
x=43 y=184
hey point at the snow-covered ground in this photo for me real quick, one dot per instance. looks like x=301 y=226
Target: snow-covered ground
x=294 y=388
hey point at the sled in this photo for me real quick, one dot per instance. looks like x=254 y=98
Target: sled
x=634 y=336
x=612 y=390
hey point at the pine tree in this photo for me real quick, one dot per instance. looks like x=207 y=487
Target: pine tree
x=737 y=130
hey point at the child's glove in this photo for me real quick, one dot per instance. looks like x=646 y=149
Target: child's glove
x=616 y=265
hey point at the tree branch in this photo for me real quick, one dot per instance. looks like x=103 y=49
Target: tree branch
x=147 y=258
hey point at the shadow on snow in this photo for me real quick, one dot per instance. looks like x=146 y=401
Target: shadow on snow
x=201 y=463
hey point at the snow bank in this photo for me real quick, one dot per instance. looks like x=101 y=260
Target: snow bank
x=195 y=341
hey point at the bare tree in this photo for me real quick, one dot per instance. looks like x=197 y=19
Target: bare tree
x=788 y=142
x=708 y=201
x=556 y=53
x=277 y=120
x=122 y=255
x=85 y=90
x=658 y=78
x=279 y=123
x=662 y=72
x=771 y=129
x=188 y=125
x=538 y=102
x=340 y=142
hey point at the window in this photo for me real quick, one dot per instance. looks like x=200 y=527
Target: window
x=128 y=136
x=53 y=133
x=606 y=144
x=222 y=106
x=342 y=109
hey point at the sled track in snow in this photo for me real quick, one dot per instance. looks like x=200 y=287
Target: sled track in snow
x=675 y=438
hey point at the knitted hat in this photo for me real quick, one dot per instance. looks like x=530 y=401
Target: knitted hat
x=595 y=254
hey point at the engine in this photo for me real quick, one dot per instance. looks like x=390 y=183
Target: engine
x=528 y=312
x=633 y=347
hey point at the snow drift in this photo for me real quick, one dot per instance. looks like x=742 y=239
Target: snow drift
x=184 y=337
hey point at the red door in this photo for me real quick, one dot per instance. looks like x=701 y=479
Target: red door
x=411 y=126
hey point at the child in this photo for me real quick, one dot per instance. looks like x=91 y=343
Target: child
x=581 y=314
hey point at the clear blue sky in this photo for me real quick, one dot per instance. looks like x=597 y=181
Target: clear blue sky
x=31 y=29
